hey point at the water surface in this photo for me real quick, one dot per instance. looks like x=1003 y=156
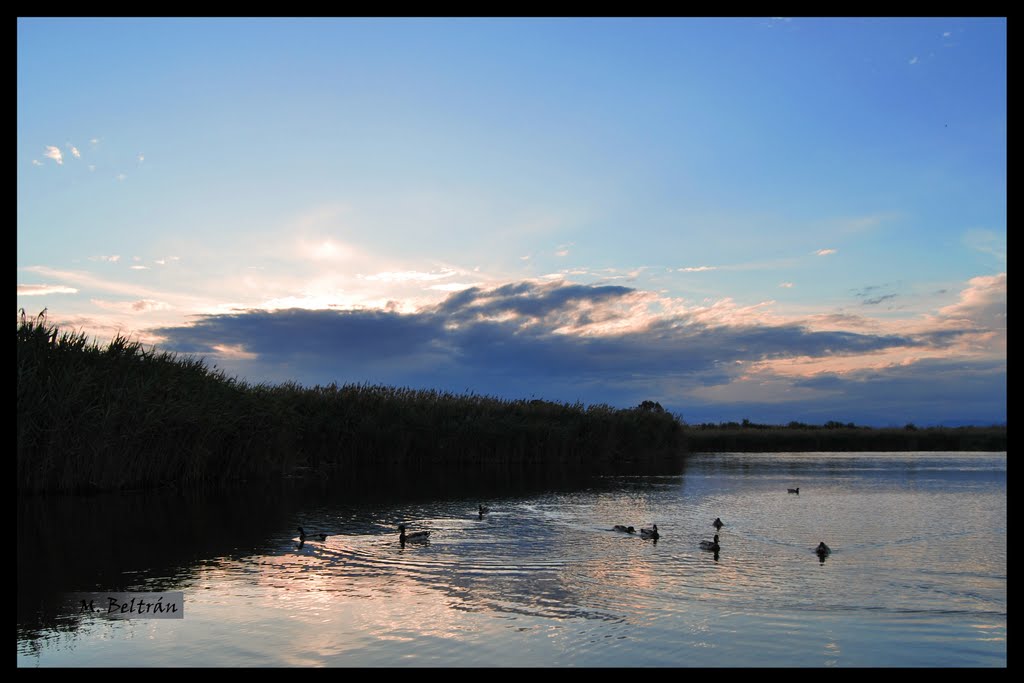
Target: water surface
x=917 y=576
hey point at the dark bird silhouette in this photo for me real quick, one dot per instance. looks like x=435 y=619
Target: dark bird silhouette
x=710 y=545
x=717 y=523
x=303 y=536
x=414 y=537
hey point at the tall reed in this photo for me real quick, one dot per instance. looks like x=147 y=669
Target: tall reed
x=123 y=416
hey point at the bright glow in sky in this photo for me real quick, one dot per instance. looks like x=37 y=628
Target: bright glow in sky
x=766 y=218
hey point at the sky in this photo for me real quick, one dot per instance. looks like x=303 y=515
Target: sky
x=766 y=218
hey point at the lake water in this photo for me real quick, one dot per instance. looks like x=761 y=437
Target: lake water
x=917 y=576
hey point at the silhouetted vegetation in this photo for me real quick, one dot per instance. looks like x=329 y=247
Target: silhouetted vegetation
x=122 y=416
x=747 y=436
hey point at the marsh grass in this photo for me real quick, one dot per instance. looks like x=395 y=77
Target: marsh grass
x=121 y=416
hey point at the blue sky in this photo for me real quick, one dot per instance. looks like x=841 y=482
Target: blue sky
x=766 y=218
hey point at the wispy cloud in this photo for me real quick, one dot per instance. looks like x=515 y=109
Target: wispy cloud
x=121 y=176
x=139 y=267
x=697 y=269
x=786 y=285
x=137 y=306
x=114 y=258
x=55 y=154
x=74 y=152
x=36 y=162
x=913 y=60
x=825 y=252
x=987 y=242
x=409 y=276
x=39 y=290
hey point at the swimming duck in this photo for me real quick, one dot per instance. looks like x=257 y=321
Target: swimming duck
x=710 y=545
x=303 y=536
x=796 y=490
x=627 y=529
x=717 y=523
x=650 y=533
x=484 y=510
x=823 y=549
x=414 y=537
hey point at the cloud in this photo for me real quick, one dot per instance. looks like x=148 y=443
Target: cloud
x=137 y=306
x=913 y=61
x=54 y=153
x=74 y=152
x=825 y=252
x=786 y=285
x=987 y=242
x=409 y=275
x=36 y=162
x=109 y=259
x=982 y=304
x=697 y=269
x=141 y=158
x=878 y=299
x=39 y=290
x=139 y=267
x=92 y=167
x=563 y=341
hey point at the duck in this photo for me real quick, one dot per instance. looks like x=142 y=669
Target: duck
x=303 y=536
x=710 y=545
x=796 y=490
x=650 y=533
x=483 y=510
x=823 y=549
x=414 y=537
x=717 y=523
x=626 y=529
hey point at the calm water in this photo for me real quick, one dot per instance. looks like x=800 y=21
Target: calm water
x=917 y=576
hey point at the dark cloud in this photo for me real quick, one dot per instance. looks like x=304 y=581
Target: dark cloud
x=503 y=342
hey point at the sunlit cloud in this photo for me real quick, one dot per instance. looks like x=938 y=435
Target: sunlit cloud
x=137 y=306
x=141 y=158
x=825 y=252
x=233 y=352
x=39 y=290
x=328 y=250
x=697 y=269
x=74 y=152
x=54 y=153
x=786 y=285
x=139 y=267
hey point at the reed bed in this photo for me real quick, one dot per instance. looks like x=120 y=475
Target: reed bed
x=840 y=437
x=121 y=416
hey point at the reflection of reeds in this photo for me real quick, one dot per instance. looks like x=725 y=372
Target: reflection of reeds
x=122 y=416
